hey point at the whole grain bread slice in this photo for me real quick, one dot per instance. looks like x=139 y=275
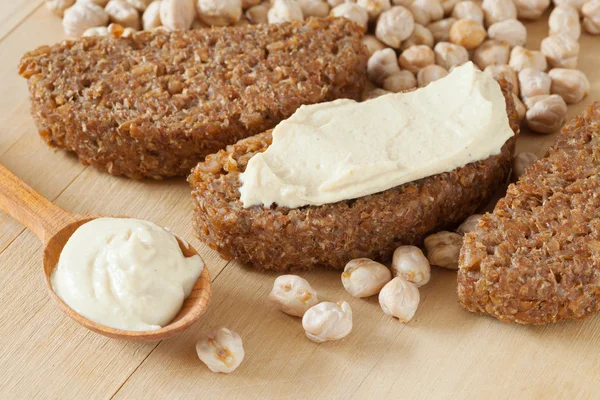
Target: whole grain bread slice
x=330 y=235
x=536 y=258
x=155 y=103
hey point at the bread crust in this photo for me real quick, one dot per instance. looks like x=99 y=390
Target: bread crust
x=331 y=235
x=155 y=104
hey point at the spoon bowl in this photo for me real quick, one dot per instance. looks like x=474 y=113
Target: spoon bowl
x=54 y=226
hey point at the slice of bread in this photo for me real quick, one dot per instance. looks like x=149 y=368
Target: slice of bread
x=536 y=258
x=330 y=235
x=154 y=104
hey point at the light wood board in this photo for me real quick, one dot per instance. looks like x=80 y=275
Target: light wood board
x=444 y=353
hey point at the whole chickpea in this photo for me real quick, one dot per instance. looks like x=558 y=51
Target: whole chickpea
x=221 y=350
x=467 y=33
x=519 y=107
x=151 y=17
x=81 y=16
x=284 y=11
x=416 y=57
x=505 y=72
x=570 y=84
x=448 y=5
x=372 y=44
x=353 y=12
x=258 y=14
x=97 y=31
x=510 y=31
x=420 y=35
x=531 y=9
x=521 y=162
x=498 y=10
x=400 y=82
x=468 y=10
x=578 y=4
x=374 y=7
x=58 y=7
x=491 y=52
x=546 y=113
x=314 y=8
x=382 y=64
x=443 y=249
x=521 y=58
x=591 y=17
x=363 y=277
x=469 y=224
x=123 y=13
x=293 y=295
x=410 y=263
x=400 y=298
x=177 y=14
x=219 y=13
x=426 y=11
x=327 y=321
x=565 y=20
x=429 y=74
x=403 y=3
x=334 y=3
x=561 y=51
x=441 y=29
x=394 y=26
x=450 y=55
x=534 y=83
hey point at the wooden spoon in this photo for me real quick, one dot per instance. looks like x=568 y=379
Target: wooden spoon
x=54 y=226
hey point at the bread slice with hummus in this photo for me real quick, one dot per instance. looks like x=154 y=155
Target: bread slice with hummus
x=274 y=217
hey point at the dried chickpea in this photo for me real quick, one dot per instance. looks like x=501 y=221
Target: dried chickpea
x=58 y=7
x=375 y=93
x=498 y=10
x=546 y=113
x=81 y=16
x=97 y=31
x=443 y=249
x=382 y=64
x=521 y=162
x=491 y=52
x=314 y=8
x=327 y=321
x=353 y=12
x=448 y=5
x=469 y=224
x=258 y=14
x=510 y=31
x=410 y=263
x=578 y=4
x=284 y=11
x=561 y=51
x=564 y=20
x=123 y=13
x=400 y=298
x=531 y=9
x=293 y=295
x=467 y=33
x=219 y=13
x=468 y=10
x=372 y=44
x=101 y=3
x=521 y=58
x=450 y=55
x=519 y=107
x=394 y=26
x=505 y=72
x=429 y=74
x=177 y=14
x=363 y=277
x=416 y=57
x=441 y=29
x=334 y=3
x=140 y=5
x=374 y=7
x=591 y=16
x=400 y=82
x=151 y=17
x=570 y=84
x=403 y=3
x=420 y=35
x=426 y=11
x=534 y=83
x=221 y=350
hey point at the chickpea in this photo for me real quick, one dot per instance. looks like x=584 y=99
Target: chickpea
x=467 y=33
x=58 y=7
x=364 y=278
x=570 y=84
x=450 y=55
x=546 y=113
x=284 y=11
x=258 y=14
x=375 y=93
x=372 y=44
x=510 y=31
x=505 y=72
x=577 y=4
x=469 y=224
x=400 y=298
x=219 y=13
x=97 y=31
x=374 y=7
x=420 y=35
x=441 y=29
x=468 y=10
x=531 y=9
x=353 y=12
x=591 y=16
x=123 y=13
x=429 y=74
x=382 y=64
x=426 y=11
x=151 y=17
x=221 y=350
x=564 y=20
x=534 y=83
x=521 y=58
x=394 y=26
x=101 y=3
x=561 y=51
x=177 y=14
x=416 y=57
x=403 y=3
x=328 y=321
x=521 y=162
x=335 y=3
x=498 y=10
x=81 y=16
x=140 y=5
x=293 y=295
x=491 y=52
x=314 y=8
x=443 y=249
x=519 y=107
x=448 y=5
x=410 y=263
x=400 y=82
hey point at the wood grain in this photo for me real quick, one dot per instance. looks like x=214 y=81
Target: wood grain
x=444 y=352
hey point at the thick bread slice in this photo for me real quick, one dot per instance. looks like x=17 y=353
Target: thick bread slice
x=156 y=103
x=331 y=235
x=536 y=258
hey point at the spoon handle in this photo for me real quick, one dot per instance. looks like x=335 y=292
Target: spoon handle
x=29 y=207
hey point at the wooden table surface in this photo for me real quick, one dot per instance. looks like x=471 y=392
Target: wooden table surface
x=444 y=352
